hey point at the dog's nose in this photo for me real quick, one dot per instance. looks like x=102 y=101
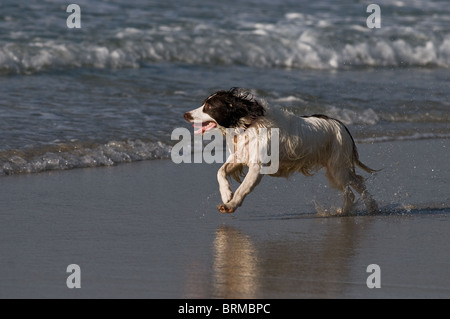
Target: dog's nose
x=188 y=117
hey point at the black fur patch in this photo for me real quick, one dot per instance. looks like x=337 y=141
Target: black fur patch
x=228 y=107
x=320 y=116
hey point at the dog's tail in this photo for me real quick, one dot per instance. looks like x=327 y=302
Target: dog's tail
x=365 y=167
x=355 y=155
x=356 y=160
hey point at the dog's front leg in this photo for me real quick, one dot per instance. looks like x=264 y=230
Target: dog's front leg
x=252 y=179
x=230 y=166
x=224 y=186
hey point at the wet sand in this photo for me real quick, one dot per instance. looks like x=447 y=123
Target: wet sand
x=151 y=230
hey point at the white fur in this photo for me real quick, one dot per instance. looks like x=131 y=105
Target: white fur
x=306 y=144
x=199 y=116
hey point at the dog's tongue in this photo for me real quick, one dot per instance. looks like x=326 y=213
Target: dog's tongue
x=205 y=127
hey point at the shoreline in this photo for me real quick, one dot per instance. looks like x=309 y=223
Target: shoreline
x=151 y=230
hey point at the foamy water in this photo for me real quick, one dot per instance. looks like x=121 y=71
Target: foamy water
x=315 y=36
x=114 y=90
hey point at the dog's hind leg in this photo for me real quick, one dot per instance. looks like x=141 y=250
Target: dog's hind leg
x=339 y=180
x=349 y=200
x=357 y=182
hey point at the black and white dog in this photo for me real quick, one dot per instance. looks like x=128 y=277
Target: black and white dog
x=306 y=144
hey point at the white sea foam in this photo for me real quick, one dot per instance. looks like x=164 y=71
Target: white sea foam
x=345 y=115
x=289 y=99
x=351 y=117
x=69 y=156
x=297 y=41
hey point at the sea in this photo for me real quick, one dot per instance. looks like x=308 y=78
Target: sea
x=114 y=89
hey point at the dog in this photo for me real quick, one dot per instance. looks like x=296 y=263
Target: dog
x=306 y=144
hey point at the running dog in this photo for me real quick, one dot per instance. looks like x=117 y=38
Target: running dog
x=306 y=144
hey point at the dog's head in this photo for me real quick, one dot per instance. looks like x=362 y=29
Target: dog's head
x=235 y=108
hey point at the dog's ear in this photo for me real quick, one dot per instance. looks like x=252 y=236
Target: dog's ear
x=244 y=99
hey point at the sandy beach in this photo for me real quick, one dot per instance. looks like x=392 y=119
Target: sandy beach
x=151 y=230
x=88 y=112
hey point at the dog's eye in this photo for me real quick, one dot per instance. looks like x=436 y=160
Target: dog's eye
x=207 y=107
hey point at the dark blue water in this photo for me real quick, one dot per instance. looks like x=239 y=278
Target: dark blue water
x=114 y=90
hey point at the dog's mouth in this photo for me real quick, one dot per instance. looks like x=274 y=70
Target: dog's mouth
x=203 y=127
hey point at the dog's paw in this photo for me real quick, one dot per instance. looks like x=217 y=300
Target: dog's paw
x=344 y=212
x=226 y=208
x=372 y=208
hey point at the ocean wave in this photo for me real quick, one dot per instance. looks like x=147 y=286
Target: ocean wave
x=398 y=138
x=289 y=43
x=351 y=117
x=79 y=155
x=90 y=155
x=347 y=116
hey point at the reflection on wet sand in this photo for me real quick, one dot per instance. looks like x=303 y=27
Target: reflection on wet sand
x=236 y=266
x=303 y=266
